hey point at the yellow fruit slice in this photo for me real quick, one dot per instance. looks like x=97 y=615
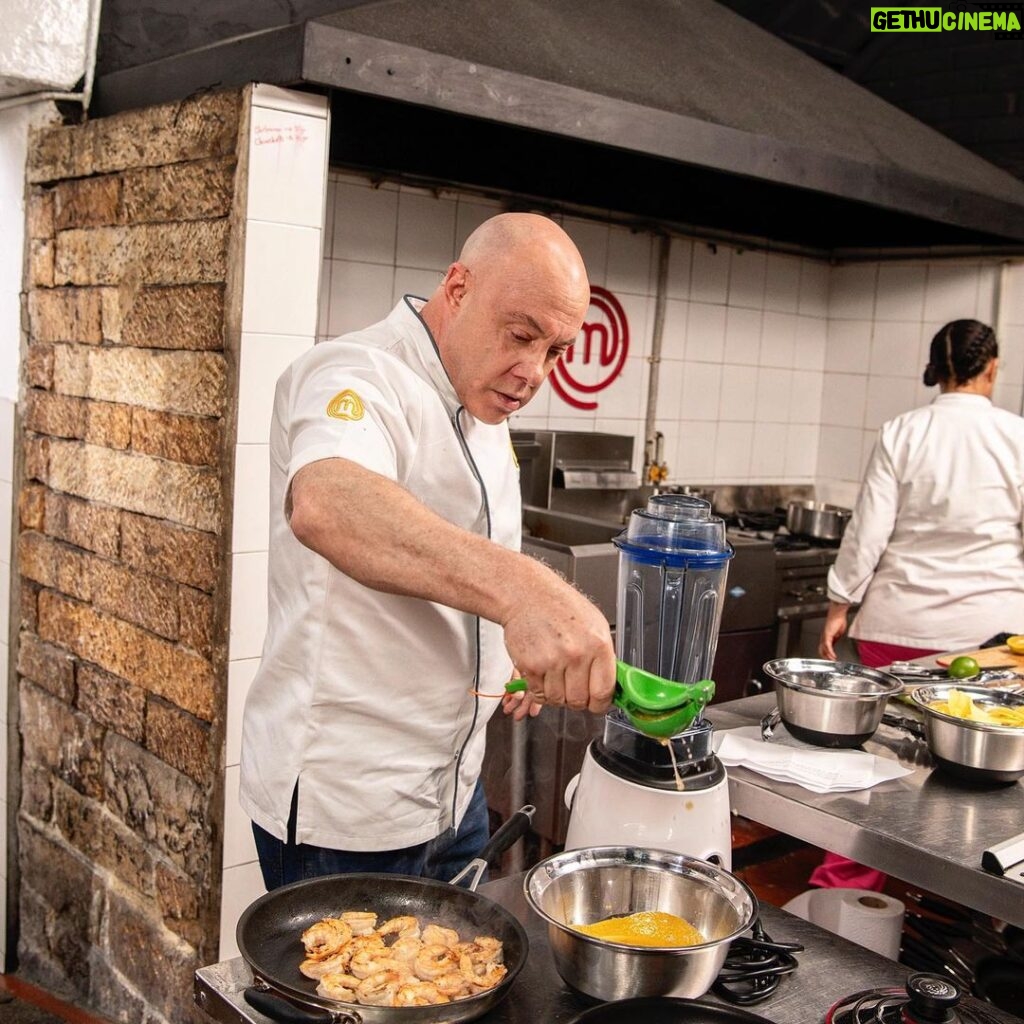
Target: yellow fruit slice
x=1016 y=644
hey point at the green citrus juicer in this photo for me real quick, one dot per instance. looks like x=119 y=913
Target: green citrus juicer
x=657 y=707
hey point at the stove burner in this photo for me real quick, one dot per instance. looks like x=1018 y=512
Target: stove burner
x=754 y=967
x=927 y=999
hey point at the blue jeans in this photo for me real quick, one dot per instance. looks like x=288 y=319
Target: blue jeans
x=441 y=858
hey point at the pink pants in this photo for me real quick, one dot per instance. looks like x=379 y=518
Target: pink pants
x=836 y=872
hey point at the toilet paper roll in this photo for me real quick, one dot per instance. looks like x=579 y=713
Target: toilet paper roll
x=871 y=919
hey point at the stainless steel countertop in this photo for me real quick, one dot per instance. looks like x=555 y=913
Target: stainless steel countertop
x=923 y=828
x=829 y=968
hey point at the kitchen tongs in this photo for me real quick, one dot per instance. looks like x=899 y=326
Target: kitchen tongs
x=657 y=707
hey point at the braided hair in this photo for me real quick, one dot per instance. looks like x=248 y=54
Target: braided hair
x=959 y=352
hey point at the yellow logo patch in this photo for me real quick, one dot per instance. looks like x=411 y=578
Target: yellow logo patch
x=346 y=405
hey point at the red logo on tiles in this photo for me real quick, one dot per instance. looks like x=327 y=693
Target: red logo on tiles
x=599 y=354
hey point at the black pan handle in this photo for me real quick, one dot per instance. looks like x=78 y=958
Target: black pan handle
x=516 y=826
x=506 y=836
x=281 y=1010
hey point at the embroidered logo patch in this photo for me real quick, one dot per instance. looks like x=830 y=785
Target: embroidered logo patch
x=346 y=405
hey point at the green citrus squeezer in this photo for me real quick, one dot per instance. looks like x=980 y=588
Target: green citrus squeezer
x=657 y=707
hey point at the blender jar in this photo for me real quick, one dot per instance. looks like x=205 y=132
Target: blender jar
x=673 y=562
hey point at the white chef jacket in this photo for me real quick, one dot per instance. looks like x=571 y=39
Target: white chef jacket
x=934 y=546
x=364 y=697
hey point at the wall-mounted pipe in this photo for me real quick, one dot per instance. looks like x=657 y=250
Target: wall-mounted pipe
x=654 y=467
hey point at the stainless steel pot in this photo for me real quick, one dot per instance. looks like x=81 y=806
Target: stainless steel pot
x=830 y=703
x=590 y=884
x=817 y=520
x=973 y=751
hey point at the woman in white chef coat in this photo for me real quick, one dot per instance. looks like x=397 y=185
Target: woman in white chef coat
x=933 y=551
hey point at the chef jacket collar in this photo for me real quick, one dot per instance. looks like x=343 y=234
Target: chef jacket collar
x=959 y=397
x=424 y=348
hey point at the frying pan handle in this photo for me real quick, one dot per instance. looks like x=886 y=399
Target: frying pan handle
x=517 y=825
x=285 y=1012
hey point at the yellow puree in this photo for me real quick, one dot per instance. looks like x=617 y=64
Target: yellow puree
x=645 y=928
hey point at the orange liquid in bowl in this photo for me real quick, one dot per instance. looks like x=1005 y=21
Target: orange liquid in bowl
x=644 y=928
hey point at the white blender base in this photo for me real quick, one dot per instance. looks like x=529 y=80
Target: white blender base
x=606 y=810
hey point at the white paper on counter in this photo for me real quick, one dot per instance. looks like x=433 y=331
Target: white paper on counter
x=814 y=768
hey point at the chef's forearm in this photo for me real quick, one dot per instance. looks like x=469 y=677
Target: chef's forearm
x=375 y=531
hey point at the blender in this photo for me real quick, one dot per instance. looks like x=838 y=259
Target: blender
x=670 y=792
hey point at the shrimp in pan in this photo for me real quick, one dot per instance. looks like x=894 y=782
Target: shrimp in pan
x=325 y=938
x=420 y=993
x=434 y=961
x=405 y=927
x=362 y=922
x=338 y=985
x=434 y=934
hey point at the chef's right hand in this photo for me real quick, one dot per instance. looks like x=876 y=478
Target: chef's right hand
x=833 y=630
x=561 y=643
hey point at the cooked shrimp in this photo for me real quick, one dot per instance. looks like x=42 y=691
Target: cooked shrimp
x=484 y=949
x=379 y=989
x=454 y=985
x=433 y=961
x=340 y=961
x=338 y=985
x=405 y=950
x=362 y=922
x=481 y=977
x=372 y=961
x=405 y=927
x=320 y=968
x=435 y=935
x=325 y=938
x=419 y=993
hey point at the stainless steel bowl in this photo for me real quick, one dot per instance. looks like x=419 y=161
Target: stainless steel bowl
x=974 y=751
x=830 y=703
x=591 y=884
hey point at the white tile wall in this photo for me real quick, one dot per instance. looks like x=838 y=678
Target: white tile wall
x=283 y=261
x=881 y=319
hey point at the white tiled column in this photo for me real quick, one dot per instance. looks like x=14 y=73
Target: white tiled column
x=284 y=246
x=14 y=127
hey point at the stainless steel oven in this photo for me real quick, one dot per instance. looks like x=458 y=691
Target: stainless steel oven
x=802 y=599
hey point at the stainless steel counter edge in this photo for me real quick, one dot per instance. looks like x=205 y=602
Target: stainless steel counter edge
x=922 y=830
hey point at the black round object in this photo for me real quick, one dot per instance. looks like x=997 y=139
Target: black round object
x=666 y=1010
x=826 y=739
x=1000 y=980
x=976 y=776
x=931 y=999
x=697 y=775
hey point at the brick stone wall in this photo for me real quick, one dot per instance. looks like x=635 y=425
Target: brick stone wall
x=127 y=414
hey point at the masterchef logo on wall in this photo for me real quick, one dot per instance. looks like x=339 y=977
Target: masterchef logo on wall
x=599 y=354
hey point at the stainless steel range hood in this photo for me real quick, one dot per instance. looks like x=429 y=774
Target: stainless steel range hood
x=678 y=91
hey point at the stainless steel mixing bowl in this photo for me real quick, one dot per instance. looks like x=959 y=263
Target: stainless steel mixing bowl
x=830 y=703
x=588 y=885
x=974 y=751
